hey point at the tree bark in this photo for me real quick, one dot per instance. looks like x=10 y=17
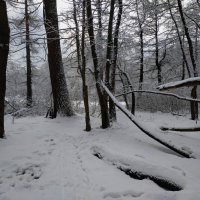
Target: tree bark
x=194 y=106
x=181 y=42
x=100 y=36
x=28 y=58
x=61 y=98
x=158 y=66
x=141 y=79
x=102 y=101
x=112 y=109
x=4 y=50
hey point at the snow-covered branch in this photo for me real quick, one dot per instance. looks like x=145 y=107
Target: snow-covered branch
x=162 y=93
x=178 y=84
x=147 y=130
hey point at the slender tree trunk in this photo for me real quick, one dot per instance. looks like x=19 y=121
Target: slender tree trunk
x=124 y=91
x=158 y=66
x=28 y=58
x=114 y=63
x=109 y=44
x=85 y=87
x=196 y=43
x=141 y=47
x=194 y=106
x=61 y=98
x=141 y=59
x=82 y=62
x=181 y=42
x=4 y=50
x=109 y=56
x=100 y=36
x=102 y=100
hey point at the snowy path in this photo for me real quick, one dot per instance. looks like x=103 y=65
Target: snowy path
x=53 y=159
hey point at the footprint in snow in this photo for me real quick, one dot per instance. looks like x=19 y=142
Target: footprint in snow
x=123 y=194
x=179 y=169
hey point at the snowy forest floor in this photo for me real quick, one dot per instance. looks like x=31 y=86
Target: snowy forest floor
x=48 y=159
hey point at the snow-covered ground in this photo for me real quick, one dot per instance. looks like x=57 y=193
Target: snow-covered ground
x=48 y=159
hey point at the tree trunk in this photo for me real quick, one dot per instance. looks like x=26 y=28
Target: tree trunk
x=194 y=106
x=109 y=58
x=158 y=66
x=28 y=59
x=4 y=50
x=114 y=63
x=181 y=42
x=100 y=37
x=109 y=44
x=83 y=71
x=102 y=100
x=61 y=98
x=141 y=47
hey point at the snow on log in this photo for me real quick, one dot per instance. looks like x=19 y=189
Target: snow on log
x=180 y=129
x=146 y=130
x=165 y=178
x=178 y=84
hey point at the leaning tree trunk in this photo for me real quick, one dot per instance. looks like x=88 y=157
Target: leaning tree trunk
x=61 y=98
x=28 y=58
x=102 y=100
x=4 y=50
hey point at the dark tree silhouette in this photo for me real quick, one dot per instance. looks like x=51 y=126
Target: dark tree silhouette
x=4 y=50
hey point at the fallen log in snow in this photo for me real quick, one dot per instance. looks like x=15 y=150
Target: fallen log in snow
x=146 y=130
x=165 y=178
x=181 y=129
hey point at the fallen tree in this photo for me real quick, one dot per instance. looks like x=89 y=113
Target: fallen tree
x=186 y=129
x=194 y=81
x=145 y=130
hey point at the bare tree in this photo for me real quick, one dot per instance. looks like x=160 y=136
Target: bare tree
x=80 y=48
x=4 y=50
x=28 y=57
x=102 y=100
x=194 y=105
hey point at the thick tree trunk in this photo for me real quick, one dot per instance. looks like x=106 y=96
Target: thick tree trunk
x=28 y=58
x=102 y=100
x=61 y=98
x=4 y=50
